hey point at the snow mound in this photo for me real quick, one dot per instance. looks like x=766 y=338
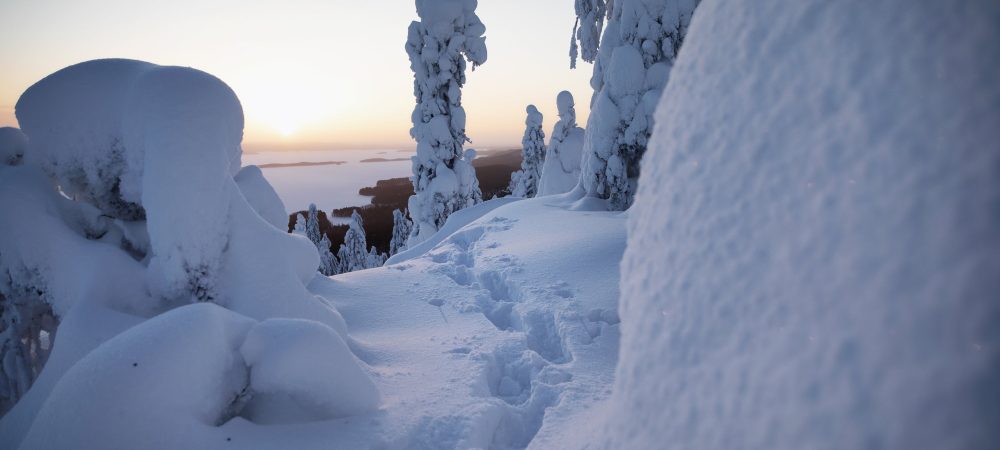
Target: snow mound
x=163 y=384
x=813 y=253
x=12 y=145
x=301 y=370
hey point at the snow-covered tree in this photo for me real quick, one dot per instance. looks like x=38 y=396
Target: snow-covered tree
x=640 y=42
x=590 y=15
x=401 y=227
x=524 y=183
x=375 y=259
x=354 y=253
x=312 y=225
x=561 y=169
x=300 y=225
x=328 y=264
x=309 y=227
x=448 y=33
x=27 y=328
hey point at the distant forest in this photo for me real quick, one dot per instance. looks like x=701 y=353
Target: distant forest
x=493 y=170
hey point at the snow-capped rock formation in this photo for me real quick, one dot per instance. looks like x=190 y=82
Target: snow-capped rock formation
x=561 y=169
x=524 y=182
x=448 y=33
x=814 y=249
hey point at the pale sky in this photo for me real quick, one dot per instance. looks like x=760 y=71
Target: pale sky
x=308 y=72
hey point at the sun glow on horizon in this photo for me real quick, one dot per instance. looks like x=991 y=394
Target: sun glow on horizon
x=319 y=72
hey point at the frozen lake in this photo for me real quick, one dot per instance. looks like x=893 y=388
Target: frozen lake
x=329 y=178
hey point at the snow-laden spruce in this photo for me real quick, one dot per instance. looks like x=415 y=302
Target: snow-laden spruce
x=401 y=227
x=12 y=145
x=354 y=253
x=448 y=33
x=328 y=263
x=524 y=182
x=814 y=249
x=640 y=42
x=560 y=172
x=131 y=202
x=590 y=16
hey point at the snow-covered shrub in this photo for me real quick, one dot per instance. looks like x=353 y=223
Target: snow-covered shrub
x=12 y=146
x=354 y=253
x=524 y=182
x=449 y=33
x=165 y=141
x=636 y=52
x=561 y=170
x=813 y=254
x=401 y=227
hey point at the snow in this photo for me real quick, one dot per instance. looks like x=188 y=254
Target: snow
x=107 y=237
x=813 y=252
x=12 y=145
x=561 y=169
x=448 y=34
x=300 y=371
x=262 y=196
x=810 y=261
x=162 y=384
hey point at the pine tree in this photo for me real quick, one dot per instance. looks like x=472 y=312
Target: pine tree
x=524 y=183
x=353 y=253
x=631 y=65
x=448 y=34
x=312 y=225
x=401 y=227
x=328 y=264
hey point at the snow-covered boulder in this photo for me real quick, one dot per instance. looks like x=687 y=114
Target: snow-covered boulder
x=13 y=143
x=813 y=253
x=561 y=169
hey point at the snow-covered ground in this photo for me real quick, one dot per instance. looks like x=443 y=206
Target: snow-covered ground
x=475 y=342
x=329 y=186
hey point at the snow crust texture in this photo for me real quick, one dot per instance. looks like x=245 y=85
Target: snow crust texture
x=813 y=254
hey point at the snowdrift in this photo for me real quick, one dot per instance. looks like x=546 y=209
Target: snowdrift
x=813 y=255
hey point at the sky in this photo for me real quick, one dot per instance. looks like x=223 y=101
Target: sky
x=316 y=73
